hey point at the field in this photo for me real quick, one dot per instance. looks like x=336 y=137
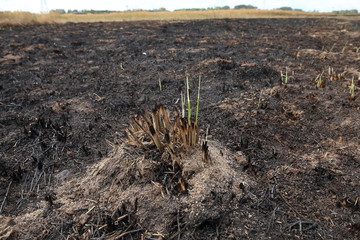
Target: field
x=25 y=18
x=284 y=156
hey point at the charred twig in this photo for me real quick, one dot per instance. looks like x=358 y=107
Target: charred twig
x=6 y=194
x=114 y=237
x=288 y=204
x=264 y=197
x=272 y=219
x=205 y=148
x=38 y=180
x=205 y=152
x=301 y=224
x=32 y=181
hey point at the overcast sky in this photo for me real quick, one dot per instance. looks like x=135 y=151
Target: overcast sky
x=45 y=5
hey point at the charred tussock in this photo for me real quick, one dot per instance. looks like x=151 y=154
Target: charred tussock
x=170 y=136
x=175 y=138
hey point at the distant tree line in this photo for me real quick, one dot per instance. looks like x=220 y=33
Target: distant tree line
x=351 y=11
x=242 y=6
x=191 y=9
x=290 y=9
x=220 y=8
x=162 y=9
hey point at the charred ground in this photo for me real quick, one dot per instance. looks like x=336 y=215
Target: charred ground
x=68 y=90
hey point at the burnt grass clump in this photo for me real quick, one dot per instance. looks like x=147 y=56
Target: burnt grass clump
x=284 y=158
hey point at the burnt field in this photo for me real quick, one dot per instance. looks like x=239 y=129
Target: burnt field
x=284 y=156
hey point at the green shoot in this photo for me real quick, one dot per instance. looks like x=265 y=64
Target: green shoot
x=284 y=78
x=320 y=83
x=121 y=66
x=352 y=88
x=197 y=104
x=188 y=99
x=160 y=85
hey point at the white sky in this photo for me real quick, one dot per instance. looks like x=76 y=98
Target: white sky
x=307 y=5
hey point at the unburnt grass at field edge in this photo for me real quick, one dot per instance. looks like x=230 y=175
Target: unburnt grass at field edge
x=26 y=18
x=284 y=158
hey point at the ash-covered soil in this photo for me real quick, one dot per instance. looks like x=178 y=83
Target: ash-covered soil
x=285 y=157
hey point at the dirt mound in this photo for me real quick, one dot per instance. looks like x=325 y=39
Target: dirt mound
x=123 y=195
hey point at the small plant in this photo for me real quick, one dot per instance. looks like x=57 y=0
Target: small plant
x=284 y=77
x=260 y=103
x=197 y=104
x=320 y=83
x=121 y=66
x=352 y=88
x=189 y=110
x=169 y=135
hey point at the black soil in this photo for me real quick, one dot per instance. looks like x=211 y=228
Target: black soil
x=67 y=92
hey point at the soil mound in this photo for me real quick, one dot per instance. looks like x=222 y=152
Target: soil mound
x=127 y=193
